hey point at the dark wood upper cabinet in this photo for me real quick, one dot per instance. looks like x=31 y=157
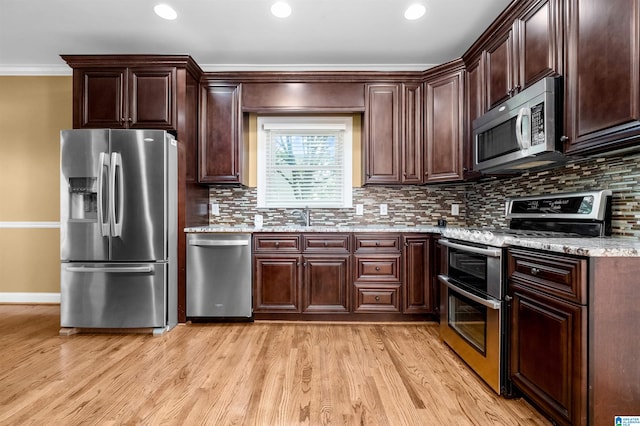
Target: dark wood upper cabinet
x=121 y=98
x=474 y=102
x=381 y=139
x=220 y=133
x=602 y=88
x=524 y=51
x=444 y=127
x=412 y=133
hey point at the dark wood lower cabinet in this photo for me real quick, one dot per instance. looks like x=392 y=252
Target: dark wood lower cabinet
x=319 y=277
x=573 y=335
x=325 y=284
x=548 y=353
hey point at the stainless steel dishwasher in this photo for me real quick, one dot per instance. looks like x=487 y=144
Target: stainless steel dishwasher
x=219 y=276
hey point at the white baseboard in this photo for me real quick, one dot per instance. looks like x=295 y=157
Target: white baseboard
x=29 y=297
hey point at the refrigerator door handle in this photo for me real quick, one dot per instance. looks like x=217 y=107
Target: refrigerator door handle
x=103 y=219
x=117 y=209
x=116 y=269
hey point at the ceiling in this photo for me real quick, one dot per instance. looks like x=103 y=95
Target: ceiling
x=228 y=35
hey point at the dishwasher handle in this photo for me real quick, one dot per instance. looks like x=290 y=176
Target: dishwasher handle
x=219 y=243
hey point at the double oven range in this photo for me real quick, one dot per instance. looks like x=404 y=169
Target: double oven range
x=473 y=282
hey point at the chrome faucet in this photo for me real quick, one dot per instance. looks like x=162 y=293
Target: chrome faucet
x=305 y=215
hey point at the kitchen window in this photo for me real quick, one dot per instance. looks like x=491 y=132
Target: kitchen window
x=304 y=161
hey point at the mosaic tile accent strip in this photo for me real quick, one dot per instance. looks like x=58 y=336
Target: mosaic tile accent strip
x=407 y=206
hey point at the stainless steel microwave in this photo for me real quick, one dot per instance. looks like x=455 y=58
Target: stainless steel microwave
x=522 y=133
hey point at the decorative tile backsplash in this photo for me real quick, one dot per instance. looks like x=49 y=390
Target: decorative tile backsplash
x=481 y=203
x=485 y=202
x=407 y=205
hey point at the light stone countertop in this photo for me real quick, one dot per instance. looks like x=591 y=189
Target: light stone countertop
x=589 y=247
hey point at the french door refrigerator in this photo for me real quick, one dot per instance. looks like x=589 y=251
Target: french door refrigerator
x=118 y=229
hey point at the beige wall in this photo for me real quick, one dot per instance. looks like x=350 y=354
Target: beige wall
x=33 y=110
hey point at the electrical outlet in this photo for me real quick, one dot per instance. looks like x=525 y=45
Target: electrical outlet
x=455 y=209
x=215 y=209
x=383 y=209
x=359 y=209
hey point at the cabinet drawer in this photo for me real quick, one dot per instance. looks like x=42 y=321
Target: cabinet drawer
x=276 y=243
x=328 y=242
x=383 y=268
x=382 y=242
x=561 y=276
x=377 y=298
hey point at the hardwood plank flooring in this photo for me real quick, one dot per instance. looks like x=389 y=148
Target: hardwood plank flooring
x=265 y=373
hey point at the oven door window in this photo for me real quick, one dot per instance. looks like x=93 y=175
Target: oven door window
x=469 y=320
x=468 y=268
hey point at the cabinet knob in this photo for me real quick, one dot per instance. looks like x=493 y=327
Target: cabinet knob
x=535 y=271
x=277 y=244
x=508 y=298
x=297 y=263
x=122 y=120
x=130 y=120
x=518 y=87
x=564 y=138
x=377 y=243
x=304 y=264
x=377 y=298
x=377 y=268
x=406 y=244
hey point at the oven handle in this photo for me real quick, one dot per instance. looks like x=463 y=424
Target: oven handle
x=491 y=304
x=472 y=249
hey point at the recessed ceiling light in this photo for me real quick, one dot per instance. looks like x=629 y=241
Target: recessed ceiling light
x=281 y=9
x=165 y=11
x=415 y=11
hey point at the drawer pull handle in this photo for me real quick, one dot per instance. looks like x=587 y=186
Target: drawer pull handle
x=377 y=268
x=535 y=271
x=277 y=244
x=377 y=298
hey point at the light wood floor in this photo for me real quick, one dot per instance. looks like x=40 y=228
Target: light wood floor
x=244 y=374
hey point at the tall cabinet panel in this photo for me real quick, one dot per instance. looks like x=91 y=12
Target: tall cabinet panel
x=221 y=119
x=412 y=143
x=444 y=128
x=382 y=161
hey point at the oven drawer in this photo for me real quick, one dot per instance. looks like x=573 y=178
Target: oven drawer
x=562 y=276
x=377 y=269
x=377 y=298
x=276 y=243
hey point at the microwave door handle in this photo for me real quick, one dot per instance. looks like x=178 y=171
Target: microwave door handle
x=103 y=217
x=524 y=141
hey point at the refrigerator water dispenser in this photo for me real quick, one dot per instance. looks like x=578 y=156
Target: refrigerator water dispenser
x=83 y=198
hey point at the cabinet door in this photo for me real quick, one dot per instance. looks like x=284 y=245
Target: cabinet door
x=539 y=44
x=276 y=283
x=325 y=284
x=418 y=297
x=382 y=134
x=412 y=139
x=499 y=69
x=603 y=78
x=548 y=353
x=220 y=133
x=152 y=98
x=99 y=98
x=474 y=95
x=444 y=129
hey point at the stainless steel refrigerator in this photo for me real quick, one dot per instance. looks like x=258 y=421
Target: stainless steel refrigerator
x=118 y=234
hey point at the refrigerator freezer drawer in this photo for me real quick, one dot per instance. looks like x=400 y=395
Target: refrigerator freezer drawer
x=113 y=295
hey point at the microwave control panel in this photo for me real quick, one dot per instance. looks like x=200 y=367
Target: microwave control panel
x=537 y=124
